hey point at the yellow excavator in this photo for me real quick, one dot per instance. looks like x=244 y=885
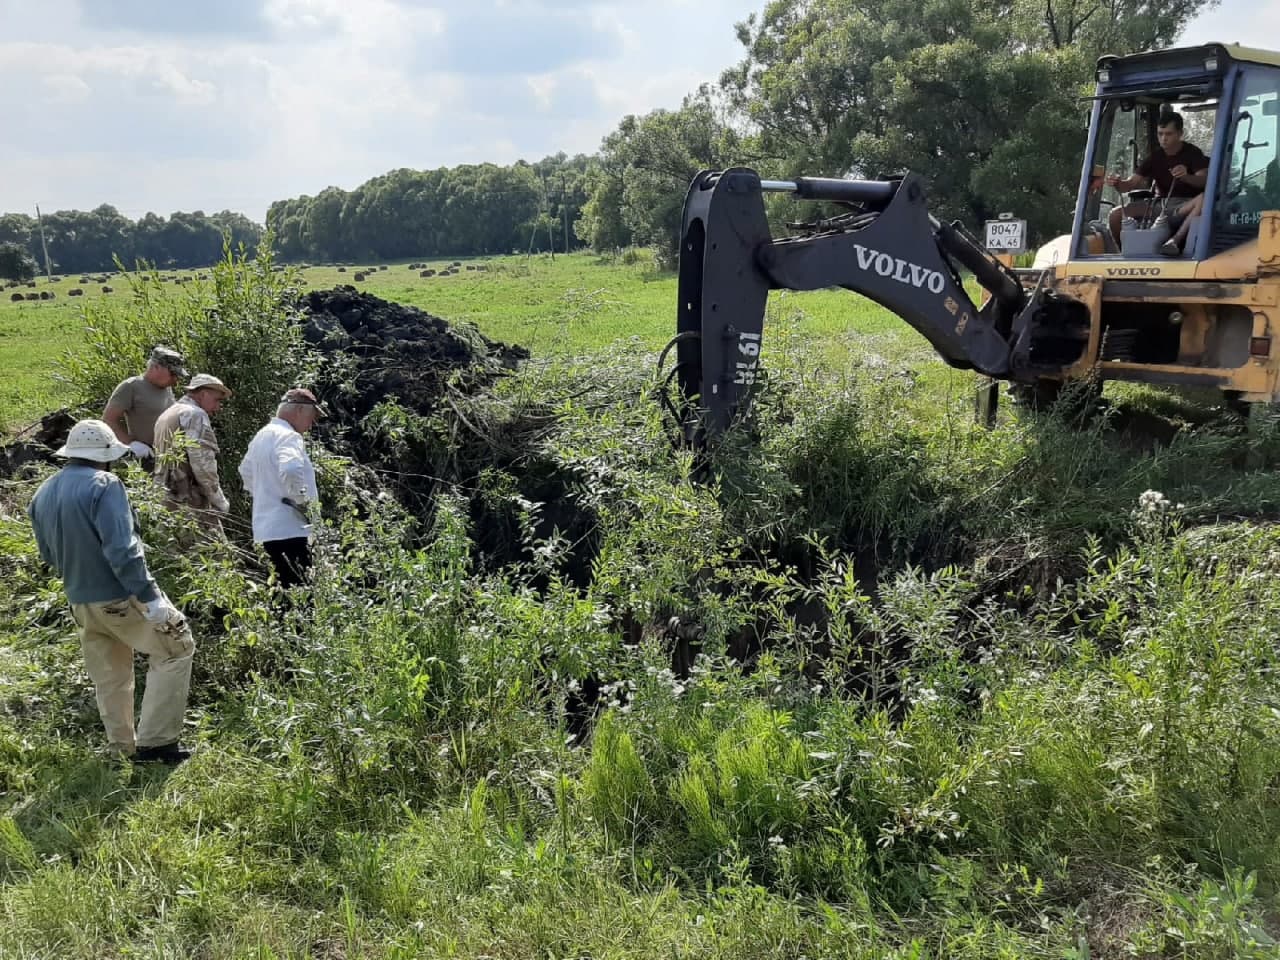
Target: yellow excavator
x=1111 y=301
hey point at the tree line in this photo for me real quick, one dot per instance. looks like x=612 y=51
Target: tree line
x=986 y=99
x=469 y=209
x=88 y=241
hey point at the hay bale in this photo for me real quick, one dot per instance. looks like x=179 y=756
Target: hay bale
x=342 y=269
x=75 y=292
x=85 y=280
x=16 y=297
x=382 y=267
x=427 y=273
x=31 y=283
x=106 y=289
x=359 y=276
x=471 y=266
x=33 y=296
x=46 y=294
x=456 y=263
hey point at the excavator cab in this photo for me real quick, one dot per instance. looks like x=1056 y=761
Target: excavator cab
x=1202 y=312
x=1228 y=99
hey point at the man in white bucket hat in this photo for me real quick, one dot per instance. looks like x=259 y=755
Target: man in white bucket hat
x=187 y=452
x=85 y=529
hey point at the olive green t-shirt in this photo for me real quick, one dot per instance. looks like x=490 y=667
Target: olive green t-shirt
x=142 y=403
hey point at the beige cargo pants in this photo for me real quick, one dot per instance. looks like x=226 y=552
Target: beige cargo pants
x=110 y=633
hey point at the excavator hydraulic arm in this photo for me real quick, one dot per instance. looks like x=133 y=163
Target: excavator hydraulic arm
x=887 y=248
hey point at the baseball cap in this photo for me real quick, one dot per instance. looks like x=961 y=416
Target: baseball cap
x=168 y=357
x=304 y=396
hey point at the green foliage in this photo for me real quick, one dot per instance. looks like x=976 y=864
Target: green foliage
x=81 y=241
x=241 y=326
x=888 y=686
x=978 y=98
x=16 y=263
x=468 y=209
x=644 y=170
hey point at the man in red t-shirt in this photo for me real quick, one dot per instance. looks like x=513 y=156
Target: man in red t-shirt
x=1179 y=170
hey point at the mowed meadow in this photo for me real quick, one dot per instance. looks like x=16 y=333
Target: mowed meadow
x=554 y=307
x=878 y=684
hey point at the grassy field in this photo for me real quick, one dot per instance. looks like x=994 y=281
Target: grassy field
x=891 y=686
x=573 y=305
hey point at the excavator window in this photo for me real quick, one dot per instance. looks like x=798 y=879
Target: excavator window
x=1126 y=136
x=1251 y=180
x=1126 y=133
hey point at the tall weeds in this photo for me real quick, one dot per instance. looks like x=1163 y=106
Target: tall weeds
x=1005 y=694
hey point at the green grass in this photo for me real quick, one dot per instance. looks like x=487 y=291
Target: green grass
x=574 y=305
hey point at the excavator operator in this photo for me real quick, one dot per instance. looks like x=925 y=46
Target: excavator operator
x=1179 y=169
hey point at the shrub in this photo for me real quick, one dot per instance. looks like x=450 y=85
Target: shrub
x=242 y=328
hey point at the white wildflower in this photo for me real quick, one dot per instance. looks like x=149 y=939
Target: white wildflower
x=1153 y=501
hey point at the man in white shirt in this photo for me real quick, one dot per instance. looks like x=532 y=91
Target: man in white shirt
x=282 y=482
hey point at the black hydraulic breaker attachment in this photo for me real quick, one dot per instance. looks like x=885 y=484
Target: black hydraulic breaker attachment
x=887 y=248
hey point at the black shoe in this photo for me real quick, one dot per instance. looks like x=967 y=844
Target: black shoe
x=169 y=753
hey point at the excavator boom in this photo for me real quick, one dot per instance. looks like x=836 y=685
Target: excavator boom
x=888 y=248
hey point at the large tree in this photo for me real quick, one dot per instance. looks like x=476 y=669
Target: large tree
x=980 y=97
x=16 y=263
x=644 y=170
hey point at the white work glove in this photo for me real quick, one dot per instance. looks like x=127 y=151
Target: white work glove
x=160 y=611
x=139 y=449
x=221 y=504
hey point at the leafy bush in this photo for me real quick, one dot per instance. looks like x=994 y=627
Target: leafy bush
x=240 y=326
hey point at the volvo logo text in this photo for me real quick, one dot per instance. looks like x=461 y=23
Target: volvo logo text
x=1133 y=271
x=898 y=269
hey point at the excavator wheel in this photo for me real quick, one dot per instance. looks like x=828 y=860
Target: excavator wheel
x=1041 y=395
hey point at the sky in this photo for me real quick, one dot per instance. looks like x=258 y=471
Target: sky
x=164 y=105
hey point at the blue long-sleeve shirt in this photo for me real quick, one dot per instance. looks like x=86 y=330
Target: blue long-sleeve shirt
x=84 y=530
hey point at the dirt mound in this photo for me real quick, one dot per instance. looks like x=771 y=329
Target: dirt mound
x=378 y=351
x=36 y=444
x=383 y=350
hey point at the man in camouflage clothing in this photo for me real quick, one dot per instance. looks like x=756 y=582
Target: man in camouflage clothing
x=187 y=452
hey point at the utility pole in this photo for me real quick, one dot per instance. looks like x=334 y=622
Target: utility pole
x=551 y=237
x=48 y=274
x=564 y=213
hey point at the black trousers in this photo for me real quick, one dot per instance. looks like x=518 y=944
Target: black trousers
x=291 y=559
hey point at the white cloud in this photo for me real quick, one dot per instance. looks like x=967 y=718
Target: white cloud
x=162 y=105
x=144 y=104
x=65 y=88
